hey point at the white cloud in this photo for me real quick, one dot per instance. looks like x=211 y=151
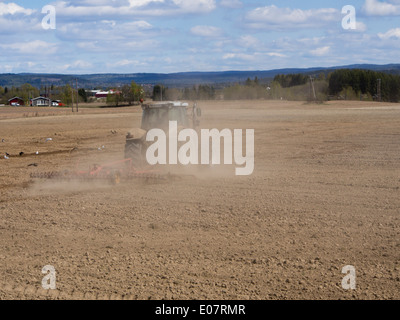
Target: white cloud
x=87 y=45
x=206 y=31
x=37 y=47
x=12 y=8
x=241 y=56
x=252 y=57
x=126 y=62
x=142 y=3
x=276 y=54
x=142 y=25
x=134 y=8
x=272 y=17
x=9 y=68
x=319 y=52
x=378 y=8
x=106 y=30
x=361 y=27
x=142 y=45
x=111 y=23
x=393 y=33
x=233 y=4
x=229 y=56
x=10 y=26
x=78 y=65
x=195 y=5
x=248 y=41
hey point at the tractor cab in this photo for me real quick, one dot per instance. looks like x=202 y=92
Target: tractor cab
x=158 y=115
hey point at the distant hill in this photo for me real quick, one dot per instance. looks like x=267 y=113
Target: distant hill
x=183 y=79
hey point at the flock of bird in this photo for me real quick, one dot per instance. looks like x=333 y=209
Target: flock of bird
x=7 y=155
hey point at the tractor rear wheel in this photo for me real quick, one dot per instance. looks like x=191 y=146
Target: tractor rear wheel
x=133 y=150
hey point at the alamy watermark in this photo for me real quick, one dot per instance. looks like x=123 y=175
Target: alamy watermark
x=49 y=281
x=49 y=20
x=165 y=149
x=349 y=282
x=349 y=22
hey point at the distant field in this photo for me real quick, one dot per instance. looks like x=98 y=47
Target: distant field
x=28 y=112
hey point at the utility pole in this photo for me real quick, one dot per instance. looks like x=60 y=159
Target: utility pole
x=77 y=96
x=313 y=96
x=380 y=90
x=49 y=96
x=72 y=97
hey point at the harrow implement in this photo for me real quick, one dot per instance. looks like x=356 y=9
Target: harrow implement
x=114 y=173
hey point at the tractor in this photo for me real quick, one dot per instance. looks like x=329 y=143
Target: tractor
x=157 y=116
x=133 y=166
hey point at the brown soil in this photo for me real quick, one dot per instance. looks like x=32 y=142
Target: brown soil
x=324 y=195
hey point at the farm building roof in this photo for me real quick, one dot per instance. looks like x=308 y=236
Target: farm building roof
x=16 y=98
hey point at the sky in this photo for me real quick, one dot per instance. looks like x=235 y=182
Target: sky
x=166 y=36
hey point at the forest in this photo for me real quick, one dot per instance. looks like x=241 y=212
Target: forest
x=342 y=84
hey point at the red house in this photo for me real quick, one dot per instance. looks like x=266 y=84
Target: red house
x=16 y=101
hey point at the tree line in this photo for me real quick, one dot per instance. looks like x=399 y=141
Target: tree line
x=354 y=84
x=66 y=93
x=127 y=95
x=346 y=84
x=200 y=92
x=291 y=80
x=378 y=85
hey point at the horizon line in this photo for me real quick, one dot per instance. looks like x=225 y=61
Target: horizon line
x=182 y=72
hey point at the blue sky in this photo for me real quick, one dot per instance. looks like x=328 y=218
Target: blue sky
x=164 y=36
